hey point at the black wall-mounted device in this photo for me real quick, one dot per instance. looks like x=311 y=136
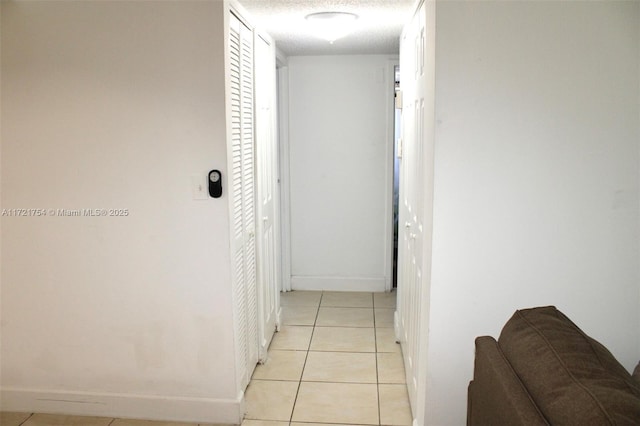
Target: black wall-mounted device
x=215 y=183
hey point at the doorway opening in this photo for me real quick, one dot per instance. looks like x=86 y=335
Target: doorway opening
x=396 y=171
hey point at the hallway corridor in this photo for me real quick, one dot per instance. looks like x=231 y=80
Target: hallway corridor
x=334 y=361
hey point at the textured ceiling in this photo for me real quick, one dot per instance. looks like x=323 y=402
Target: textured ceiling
x=377 y=30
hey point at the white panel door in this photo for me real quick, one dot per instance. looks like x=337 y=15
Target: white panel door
x=267 y=185
x=411 y=225
x=242 y=193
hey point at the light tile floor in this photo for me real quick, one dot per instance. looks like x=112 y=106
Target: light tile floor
x=334 y=362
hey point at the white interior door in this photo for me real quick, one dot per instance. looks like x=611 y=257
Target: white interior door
x=266 y=154
x=242 y=193
x=411 y=225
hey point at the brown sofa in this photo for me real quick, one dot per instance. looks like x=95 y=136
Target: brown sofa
x=544 y=370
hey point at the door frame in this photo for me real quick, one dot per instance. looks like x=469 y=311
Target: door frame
x=390 y=156
x=282 y=113
x=284 y=172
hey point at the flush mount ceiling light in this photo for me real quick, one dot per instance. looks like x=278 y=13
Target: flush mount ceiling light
x=331 y=26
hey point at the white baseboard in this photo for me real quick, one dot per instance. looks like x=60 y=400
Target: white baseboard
x=147 y=407
x=337 y=284
x=279 y=318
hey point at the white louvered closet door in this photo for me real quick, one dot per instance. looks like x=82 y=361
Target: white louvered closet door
x=242 y=192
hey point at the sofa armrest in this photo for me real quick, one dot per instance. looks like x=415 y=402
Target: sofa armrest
x=496 y=394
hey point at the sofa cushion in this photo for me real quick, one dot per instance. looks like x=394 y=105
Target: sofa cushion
x=496 y=396
x=573 y=379
x=636 y=373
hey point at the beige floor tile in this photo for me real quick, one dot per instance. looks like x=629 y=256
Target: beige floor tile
x=216 y=424
x=391 y=368
x=394 y=406
x=270 y=400
x=384 y=317
x=337 y=403
x=300 y=298
x=345 y=299
x=319 y=424
x=385 y=300
x=63 y=420
x=345 y=317
x=343 y=367
x=343 y=339
x=292 y=338
x=299 y=315
x=386 y=340
x=132 y=422
x=250 y=422
x=8 y=418
x=281 y=365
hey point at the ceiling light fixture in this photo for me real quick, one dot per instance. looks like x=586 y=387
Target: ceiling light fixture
x=331 y=26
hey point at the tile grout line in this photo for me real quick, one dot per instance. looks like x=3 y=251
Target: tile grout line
x=24 y=422
x=304 y=365
x=319 y=381
x=375 y=339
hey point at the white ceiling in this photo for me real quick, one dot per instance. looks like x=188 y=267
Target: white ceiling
x=377 y=28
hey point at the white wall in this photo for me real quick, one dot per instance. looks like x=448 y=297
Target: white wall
x=339 y=171
x=115 y=105
x=536 y=178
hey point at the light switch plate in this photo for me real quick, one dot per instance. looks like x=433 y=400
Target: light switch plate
x=199 y=187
